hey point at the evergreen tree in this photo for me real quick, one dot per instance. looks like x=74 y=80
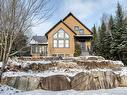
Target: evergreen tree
x=104 y=41
x=94 y=41
x=111 y=41
x=112 y=29
x=117 y=32
x=94 y=33
x=101 y=38
x=111 y=26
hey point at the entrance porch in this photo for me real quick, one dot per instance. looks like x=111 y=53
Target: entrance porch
x=85 y=43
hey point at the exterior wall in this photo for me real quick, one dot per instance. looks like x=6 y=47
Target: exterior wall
x=71 y=22
x=52 y=50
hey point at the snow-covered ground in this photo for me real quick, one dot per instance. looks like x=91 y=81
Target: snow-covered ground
x=6 y=90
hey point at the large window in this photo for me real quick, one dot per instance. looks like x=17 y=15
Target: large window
x=61 y=39
x=39 y=49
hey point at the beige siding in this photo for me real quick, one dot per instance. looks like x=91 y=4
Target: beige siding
x=52 y=50
x=71 y=22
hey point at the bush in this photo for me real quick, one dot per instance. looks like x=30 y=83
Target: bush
x=77 y=50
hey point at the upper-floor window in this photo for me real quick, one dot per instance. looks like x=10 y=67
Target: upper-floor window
x=81 y=31
x=76 y=28
x=61 y=39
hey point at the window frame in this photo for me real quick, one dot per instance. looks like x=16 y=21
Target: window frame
x=81 y=33
x=77 y=28
x=64 y=39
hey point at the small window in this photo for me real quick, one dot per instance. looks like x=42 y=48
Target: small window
x=55 y=43
x=60 y=55
x=66 y=36
x=40 y=49
x=81 y=31
x=54 y=54
x=76 y=28
x=61 y=34
x=67 y=55
x=36 y=51
x=61 y=43
x=55 y=36
x=66 y=43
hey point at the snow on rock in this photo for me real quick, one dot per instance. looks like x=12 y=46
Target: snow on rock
x=92 y=57
x=52 y=71
x=38 y=62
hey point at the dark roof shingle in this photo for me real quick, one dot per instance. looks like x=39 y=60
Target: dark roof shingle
x=40 y=39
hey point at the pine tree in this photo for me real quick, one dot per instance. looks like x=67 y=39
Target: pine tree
x=118 y=32
x=111 y=41
x=94 y=33
x=112 y=29
x=94 y=41
x=111 y=26
x=104 y=41
x=101 y=31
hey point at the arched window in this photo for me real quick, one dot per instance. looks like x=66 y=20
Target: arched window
x=61 y=39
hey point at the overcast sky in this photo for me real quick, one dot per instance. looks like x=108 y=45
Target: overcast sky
x=88 y=12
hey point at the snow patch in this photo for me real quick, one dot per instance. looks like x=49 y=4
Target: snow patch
x=51 y=72
x=6 y=90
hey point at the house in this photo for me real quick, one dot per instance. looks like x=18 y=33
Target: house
x=65 y=34
x=39 y=46
x=62 y=38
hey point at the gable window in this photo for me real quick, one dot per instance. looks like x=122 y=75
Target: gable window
x=76 y=28
x=81 y=31
x=61 y=39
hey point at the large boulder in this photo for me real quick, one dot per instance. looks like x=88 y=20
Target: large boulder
x=28 y=83
x=123 y=81
x=10 y=81
x=33 y=83
x=55 y=83
x=94 y=80
x=22 y=83
x=107 y=79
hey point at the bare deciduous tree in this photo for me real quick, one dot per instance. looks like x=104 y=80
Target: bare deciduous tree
x=18 y=16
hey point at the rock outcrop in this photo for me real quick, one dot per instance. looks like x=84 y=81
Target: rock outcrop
x=123 y=81
x=93 y=64
x=22 y=83
x=41 y=67
x=94 y=80
x=55 y=83
x=91 y=80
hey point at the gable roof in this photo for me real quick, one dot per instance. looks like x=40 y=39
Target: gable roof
x=62 y=21
x=38 y=40
x=70 y=14
x=58 y=24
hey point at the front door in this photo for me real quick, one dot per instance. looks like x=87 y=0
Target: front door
x=84 y=51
